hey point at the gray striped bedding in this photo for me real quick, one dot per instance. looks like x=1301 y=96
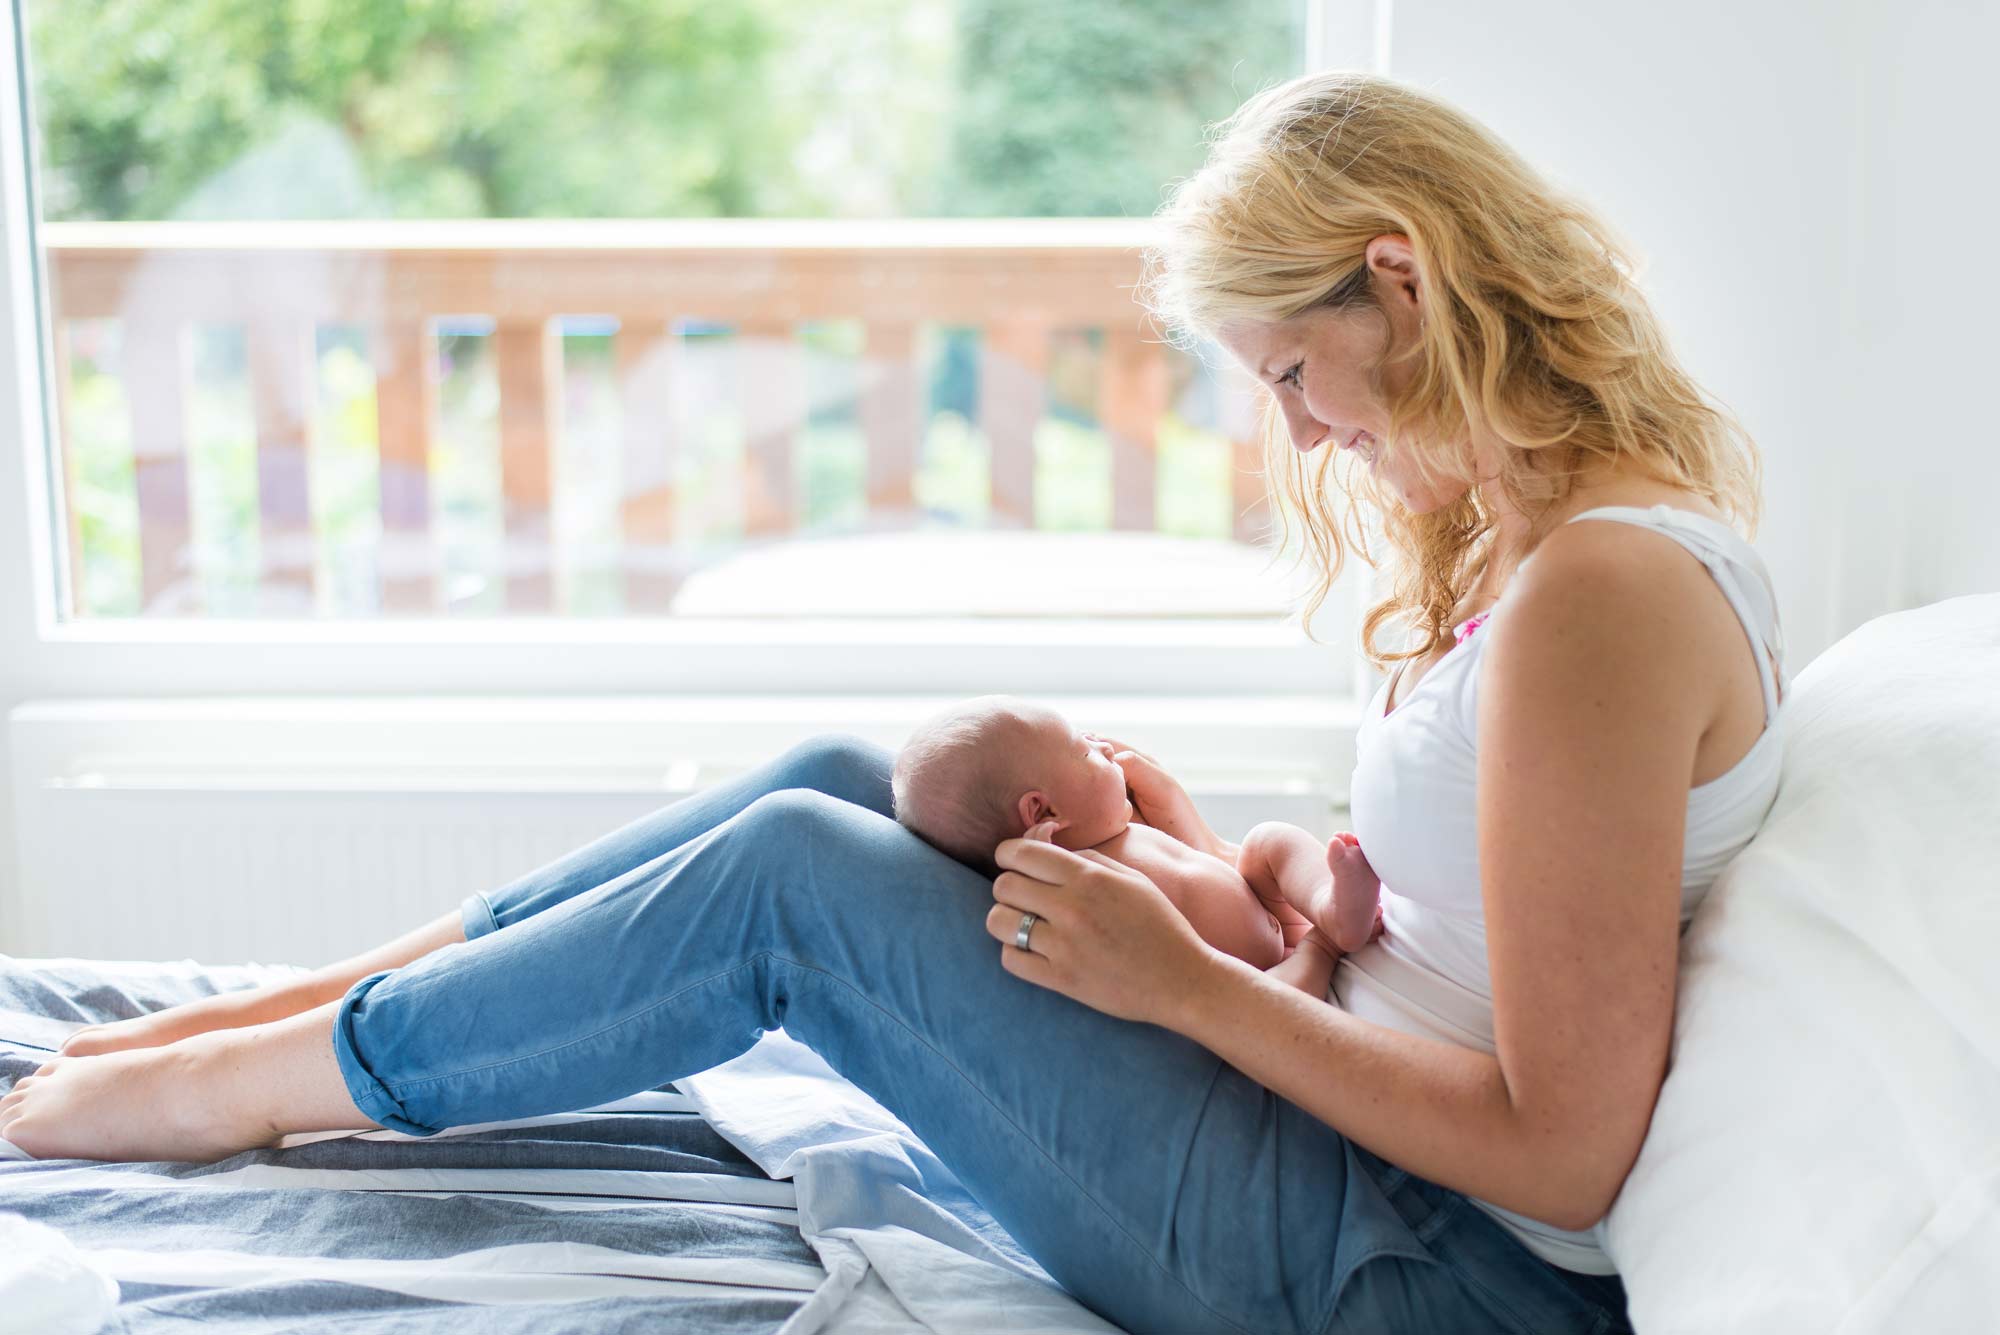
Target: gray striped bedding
x=638 y=1214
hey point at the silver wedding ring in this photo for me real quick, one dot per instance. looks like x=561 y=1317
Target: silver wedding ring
x=1028 y=921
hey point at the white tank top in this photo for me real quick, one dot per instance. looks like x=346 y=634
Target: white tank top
x=1413 y=809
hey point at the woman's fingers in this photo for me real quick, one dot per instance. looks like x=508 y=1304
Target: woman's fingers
x=1003 y=923
x=1026 y=894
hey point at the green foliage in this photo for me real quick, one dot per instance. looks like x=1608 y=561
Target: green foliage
x=635 y=108
x=1089 y=110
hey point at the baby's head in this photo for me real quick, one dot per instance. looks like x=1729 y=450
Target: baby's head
x=986 y=769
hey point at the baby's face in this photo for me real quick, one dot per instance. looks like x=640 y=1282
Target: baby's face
x=1080 y=782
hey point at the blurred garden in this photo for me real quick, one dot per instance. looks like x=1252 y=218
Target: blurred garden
x=457 y=109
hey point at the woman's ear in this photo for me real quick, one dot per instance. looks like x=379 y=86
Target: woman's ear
x=1033 y=808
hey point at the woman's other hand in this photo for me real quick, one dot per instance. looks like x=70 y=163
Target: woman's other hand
x=1159 y=800
x=1104 y=935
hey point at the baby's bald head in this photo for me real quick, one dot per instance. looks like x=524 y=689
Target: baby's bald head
x=958 y=780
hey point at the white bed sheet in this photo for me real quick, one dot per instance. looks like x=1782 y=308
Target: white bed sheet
x=1825 y=1155
x=905 y=1247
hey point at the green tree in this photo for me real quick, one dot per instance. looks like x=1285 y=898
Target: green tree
x=634 y=108
x=1089 y=110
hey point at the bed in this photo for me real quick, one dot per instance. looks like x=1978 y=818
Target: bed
x=1825 y=1154
x=766 y=1195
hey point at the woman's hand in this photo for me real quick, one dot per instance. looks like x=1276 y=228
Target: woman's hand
x=1159 y=800
x=1104 y=934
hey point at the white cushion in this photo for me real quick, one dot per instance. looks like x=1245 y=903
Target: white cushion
x=1825 y=1155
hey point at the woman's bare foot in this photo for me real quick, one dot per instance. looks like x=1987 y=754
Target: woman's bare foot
x=150 y=1103
x=226 y=1010
x=198 y=1100
x=1352 y=912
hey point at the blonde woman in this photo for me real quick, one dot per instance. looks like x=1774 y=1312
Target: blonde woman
x=1185 y=1143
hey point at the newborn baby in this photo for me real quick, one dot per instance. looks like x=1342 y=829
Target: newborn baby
x=990 y=768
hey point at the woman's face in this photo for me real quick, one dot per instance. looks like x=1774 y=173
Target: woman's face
x=1316 y=365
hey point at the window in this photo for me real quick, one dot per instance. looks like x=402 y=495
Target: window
x=690 y=323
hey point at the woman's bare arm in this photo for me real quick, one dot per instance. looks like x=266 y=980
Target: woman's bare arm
x=1595 y=691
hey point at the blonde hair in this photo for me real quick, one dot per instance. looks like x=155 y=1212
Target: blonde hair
x=957 y=780
x=1532 y=324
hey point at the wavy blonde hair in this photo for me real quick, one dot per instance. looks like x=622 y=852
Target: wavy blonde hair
x=1533 y=324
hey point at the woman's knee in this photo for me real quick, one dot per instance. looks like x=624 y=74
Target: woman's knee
x=842 y=765
x=851 y=853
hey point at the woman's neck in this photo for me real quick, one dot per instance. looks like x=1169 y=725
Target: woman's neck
x=1517 y=534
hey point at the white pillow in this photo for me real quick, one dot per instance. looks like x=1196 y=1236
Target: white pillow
x=1825 y=1155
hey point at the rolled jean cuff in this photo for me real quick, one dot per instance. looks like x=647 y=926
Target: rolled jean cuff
x=477 y=916
x=368 y=1093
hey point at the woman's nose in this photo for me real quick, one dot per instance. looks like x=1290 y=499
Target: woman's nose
x=1305 y=430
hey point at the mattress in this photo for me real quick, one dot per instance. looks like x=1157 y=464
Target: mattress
x=766 y=1195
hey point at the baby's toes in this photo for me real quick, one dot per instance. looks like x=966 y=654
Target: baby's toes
x=1348 y=863
x=1340 y=849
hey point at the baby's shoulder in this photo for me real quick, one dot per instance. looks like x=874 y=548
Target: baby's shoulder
x=1155 y=852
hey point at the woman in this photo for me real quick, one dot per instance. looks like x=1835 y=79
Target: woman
x=1430 y=1155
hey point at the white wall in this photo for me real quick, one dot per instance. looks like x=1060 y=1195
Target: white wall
x=1813 y=188
x=1931 y=288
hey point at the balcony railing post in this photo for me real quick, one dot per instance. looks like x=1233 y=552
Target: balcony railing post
x=891 y=416
x=528 y=357
x=406 y=407
x=155 y=374
x=283 y=364
x=1134 y=397
x=773 y=407
x=1012 y=392
x=645 y=348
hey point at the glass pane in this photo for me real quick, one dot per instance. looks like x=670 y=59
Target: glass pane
x=285 y=389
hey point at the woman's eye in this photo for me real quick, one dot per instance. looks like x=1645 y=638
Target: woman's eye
x=1294 y=377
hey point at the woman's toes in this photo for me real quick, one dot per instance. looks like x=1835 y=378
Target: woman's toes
x=48 y=1067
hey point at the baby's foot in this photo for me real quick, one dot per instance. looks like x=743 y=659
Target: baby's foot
x=1355 y=914
x=147 y=1104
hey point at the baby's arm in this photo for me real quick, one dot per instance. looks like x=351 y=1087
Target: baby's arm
x=1309 y=967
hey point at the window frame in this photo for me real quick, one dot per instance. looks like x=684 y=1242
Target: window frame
x=53 y=655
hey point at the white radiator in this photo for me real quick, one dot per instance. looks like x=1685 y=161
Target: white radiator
x=300 y=831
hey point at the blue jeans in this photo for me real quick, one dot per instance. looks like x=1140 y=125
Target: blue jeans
x=1159 y=1185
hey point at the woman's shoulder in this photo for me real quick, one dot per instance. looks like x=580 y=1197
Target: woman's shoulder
x=1598 y=599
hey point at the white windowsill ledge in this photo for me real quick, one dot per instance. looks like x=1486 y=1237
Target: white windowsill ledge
x=628 y=743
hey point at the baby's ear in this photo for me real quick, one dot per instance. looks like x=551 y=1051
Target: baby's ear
x=1032 y=807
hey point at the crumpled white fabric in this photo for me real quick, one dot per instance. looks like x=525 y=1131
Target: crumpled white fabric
x=905 y=1247
x=1825 y=1154
x=46 y=1285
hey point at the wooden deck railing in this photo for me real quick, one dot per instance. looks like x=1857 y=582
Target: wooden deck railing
x=1016 y=283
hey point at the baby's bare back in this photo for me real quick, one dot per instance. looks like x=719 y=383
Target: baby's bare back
x=1211 y=894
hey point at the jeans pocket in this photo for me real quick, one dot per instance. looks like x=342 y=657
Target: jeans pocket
x=1381 y=1223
